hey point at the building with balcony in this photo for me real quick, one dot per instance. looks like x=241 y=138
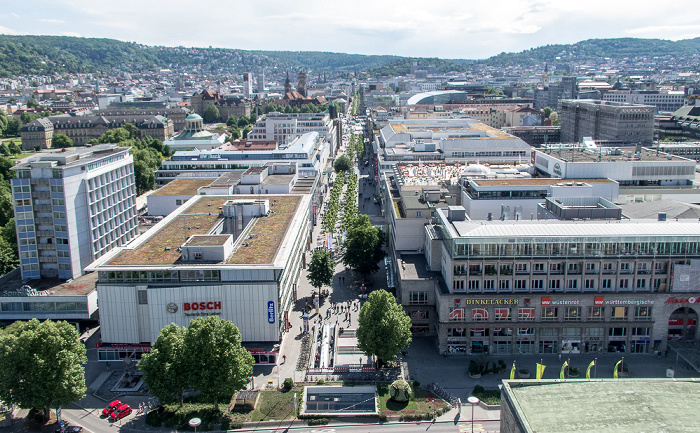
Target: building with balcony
x=71 y=208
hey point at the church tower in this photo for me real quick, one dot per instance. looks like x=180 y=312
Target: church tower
x=287 y=85
x=301 y=87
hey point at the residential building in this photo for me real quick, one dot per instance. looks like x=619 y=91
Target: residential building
x=604 y=120
x=71 y=208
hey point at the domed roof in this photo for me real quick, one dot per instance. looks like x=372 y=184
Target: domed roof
x=476 y=170
x=194 y=117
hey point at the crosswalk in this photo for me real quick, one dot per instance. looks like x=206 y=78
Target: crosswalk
x=467 y=427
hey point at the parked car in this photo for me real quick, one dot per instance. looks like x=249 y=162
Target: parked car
x=120 y=412
x=107 y=411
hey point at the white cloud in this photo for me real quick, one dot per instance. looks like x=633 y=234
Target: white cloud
x=443 y=28
x=76 y=34
x=8 y=31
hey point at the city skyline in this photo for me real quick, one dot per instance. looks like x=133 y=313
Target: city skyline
x=446 y=29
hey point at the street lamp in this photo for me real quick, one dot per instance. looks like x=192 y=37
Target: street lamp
x=473 y=401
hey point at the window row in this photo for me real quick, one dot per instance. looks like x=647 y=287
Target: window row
x=596 y=313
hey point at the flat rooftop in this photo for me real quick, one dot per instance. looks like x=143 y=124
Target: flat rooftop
x=159 y=245
x=227 y=179
x=551 y=228
x=581 y=154
x=182 y=186
x=606 y=405
x=80 y=286
x=532 y=181
x=207 y=240
x=278 y=179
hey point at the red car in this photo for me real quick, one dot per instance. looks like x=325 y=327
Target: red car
x=120 y=412
x=107 y=411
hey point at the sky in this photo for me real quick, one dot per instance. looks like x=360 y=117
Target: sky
x=465 y=29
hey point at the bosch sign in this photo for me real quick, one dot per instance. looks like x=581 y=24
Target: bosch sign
x=198 y=306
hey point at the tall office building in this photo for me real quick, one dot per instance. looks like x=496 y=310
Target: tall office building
x=261 y=81
x=247 y=84
x=73 y=207
x=606 y=120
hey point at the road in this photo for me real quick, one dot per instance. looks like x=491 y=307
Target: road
x=422 y=427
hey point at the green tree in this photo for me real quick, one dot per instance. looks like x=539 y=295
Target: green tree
x=4 y=150
x=61 y=140
x=232 y=120
x=8 y=256
x=363 y=246
x=12 y=128
x=321 y=269
x=546 y=111
x=6 y=203
x=144 y=177
x=217 y=363
x=131 y=129
x=211 y=113
x=164 y=367
x=14 y=148
x=383 y=329
x=342 y=163
x=32 y=103
x=41 y=365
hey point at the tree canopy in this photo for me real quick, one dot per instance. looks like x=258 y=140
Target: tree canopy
x=217 y=363
x=211 y=113
x=164 y=368
x=41 y=365
x=61 y=140
x=206 y=356
x=363 y=246
x=383 y=329
x=321 y=269
x=342 y=163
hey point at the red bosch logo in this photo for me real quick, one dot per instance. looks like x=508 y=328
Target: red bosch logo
x=195 y=306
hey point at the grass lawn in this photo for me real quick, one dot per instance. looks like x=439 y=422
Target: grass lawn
x=277 y=405
x=421 y=402
x=21 y=155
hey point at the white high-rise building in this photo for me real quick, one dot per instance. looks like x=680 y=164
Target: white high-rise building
x=247 y=84
x=73 y=207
